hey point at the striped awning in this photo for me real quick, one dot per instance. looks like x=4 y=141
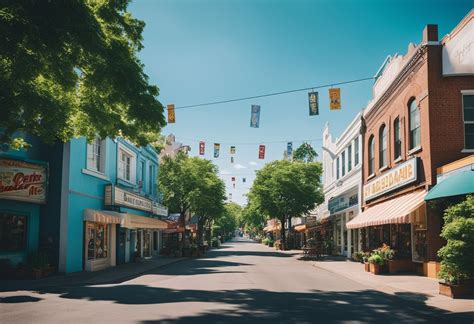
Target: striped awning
x=136 y=221
x=393 y=211
x=102 y=216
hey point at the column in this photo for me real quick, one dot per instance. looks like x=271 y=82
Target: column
x=343 y=217
x=349 y=243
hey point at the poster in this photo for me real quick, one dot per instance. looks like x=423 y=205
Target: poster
x=255 y=116
x=261 y=152
x=313 y=103
x=171 y=115
x=202 y=147
x=217 y=148
x=289 y=148
x=335 y=98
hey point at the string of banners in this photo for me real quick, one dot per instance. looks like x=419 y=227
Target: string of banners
x=313 y=102
x=217 y=149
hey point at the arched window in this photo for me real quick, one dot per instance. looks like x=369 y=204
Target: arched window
x=414 y=125
x=383 y=146
x=371 y=155
x=397 y=141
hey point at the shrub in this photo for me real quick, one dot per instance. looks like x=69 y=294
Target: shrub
x=457 y=256
x=381 y=255
x=357 y=256
x=376 y=259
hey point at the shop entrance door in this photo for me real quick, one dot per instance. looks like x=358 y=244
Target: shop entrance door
x=147 y=244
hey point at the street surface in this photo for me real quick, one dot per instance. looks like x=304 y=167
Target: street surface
x=240 y=282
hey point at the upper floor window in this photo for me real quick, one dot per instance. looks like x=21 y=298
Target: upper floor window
x=150 y=179
x=349 y=158
x=356 y=151
x=127 y=164
x=383 y=146
x=95 y=155
x=337 y=168
x=343 y=161
x=414 y=125
x=397 y=142
x=468 y=109
x=371 y=155
x=142 y=171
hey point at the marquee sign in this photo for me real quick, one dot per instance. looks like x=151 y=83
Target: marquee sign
x=23 y=181
x=402 y=175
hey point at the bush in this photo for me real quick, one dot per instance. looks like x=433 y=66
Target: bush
x=457 y=255
x=357 y=256
x=376 y=259
x=381 y=255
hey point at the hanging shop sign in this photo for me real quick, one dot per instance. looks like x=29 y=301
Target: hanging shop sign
x=335 y=98
x=342 y=202
x=400 y=176
x=171 y=115
x=313 y=103
x=202 y=147
x=232 y=150
x=115 y=196
x=231 y=159
x=261 y=152
x=289 y=148
x=23 y=181
x=255 y=116
x=217 y=148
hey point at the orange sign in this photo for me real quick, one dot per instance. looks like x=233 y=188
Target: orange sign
x=261 y=152
x=335 y=98
x=171 y=115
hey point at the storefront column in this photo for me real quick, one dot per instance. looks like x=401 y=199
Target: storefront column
x=349 y=240
x=342 y=234
x=113 y=242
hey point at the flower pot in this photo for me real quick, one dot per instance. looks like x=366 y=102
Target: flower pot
x=464 y=289
x=395 y=266
x=367 y=266
x=377 y=268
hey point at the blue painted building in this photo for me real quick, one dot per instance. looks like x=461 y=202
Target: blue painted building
x=109 y=212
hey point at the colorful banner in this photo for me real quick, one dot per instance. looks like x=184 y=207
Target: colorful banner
x=313 y=103
x=171 y=115
x=217 y=148
x=261 y=152
x=231 y=159
x=202 y=147
x=289 y=148
x=232 y=150
x=335 y=98
x=255 y=116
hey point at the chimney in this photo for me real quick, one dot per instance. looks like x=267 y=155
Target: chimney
x=430 y=33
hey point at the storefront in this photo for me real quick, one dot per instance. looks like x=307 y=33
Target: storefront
x=343 y=209
x=23 y=189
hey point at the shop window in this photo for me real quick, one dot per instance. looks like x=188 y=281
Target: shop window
x=383 y=146
x=96 y=155
x=371 y=155
x=97 y=238
x=397 y=142
x=468 y=113
x=415 y=132
x=419 y=238
x=12 y=232
x=356 y=151
x=349 y=158
x=400 y=240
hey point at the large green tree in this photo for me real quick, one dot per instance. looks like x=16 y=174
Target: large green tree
x=285 y=189
x=70 y=68
x=305 y=153
x=227 y=223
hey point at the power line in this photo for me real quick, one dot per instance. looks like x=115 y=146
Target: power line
x=212 y=103
x=255 y=143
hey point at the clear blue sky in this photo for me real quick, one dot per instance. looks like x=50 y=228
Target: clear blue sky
x=201 y=51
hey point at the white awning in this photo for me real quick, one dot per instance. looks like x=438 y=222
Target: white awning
x=135 y=221
x=102 y=216
x=393 y=211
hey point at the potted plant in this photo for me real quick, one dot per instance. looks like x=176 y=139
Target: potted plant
x=379 y=259
x=357 y=256
x=457 y=255
x=376 y=264
x=365 y=260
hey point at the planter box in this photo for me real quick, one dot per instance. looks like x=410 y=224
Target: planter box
x=431 y=269
x=457 y=291
x=377 y=268
x=367 y=266
x=395 y=266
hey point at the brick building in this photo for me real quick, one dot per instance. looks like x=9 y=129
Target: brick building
x=420 y=118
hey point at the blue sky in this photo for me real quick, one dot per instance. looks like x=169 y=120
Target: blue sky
x=209 y=50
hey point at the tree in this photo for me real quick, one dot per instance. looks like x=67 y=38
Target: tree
x=228 y=222
x=285 y=189
x=305 y=153
x=70 y=69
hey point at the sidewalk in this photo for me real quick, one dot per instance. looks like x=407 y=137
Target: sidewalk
x=410 y=287
x=110 y=275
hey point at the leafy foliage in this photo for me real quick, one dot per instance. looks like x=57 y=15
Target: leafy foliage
x=70 y=69
x=458 y=254
x=228 y=221
x=284 y=189
x=305 y=153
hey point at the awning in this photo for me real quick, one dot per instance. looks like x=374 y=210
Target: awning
x=102 y=216
x=300 y=228
x=272 y=228
x=135 y=221
x=393 y=211
x=461 y=183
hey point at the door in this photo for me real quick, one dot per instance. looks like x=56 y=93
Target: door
x=121 y=243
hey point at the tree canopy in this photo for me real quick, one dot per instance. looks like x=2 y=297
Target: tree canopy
x=305 y=153
x=70 y=68
x=285 y=189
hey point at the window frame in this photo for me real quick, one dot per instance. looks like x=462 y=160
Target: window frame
x=100 y=157
x=337 y=168
x=343 y=163
x=122 y=149
x=397 y=139
x=383 y=160
x=349 y=158
x=412 y=145
x=463 y=94
x=371 y=155
x=356 y=151
x=24 y=243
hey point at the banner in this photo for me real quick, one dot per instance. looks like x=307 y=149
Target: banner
x=233 y=179
x=289 y=148
x=231 y=159
x=255 y=116
x=202 y=147
x=313 y=103
x=244 y=180
x=217 y=148
x=335 y=98
x=171 y=115
x=261 y=152
x=232 y=150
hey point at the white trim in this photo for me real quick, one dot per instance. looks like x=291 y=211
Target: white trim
x=467 y=92
x=96 y=174
x=133 y=164
x=385 y=167
x=467 y=151
x=398 y=159
x=414 y=150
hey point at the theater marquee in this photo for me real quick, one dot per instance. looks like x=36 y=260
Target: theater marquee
x=400 y=176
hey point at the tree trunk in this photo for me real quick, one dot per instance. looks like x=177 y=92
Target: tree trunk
x=200 y=231
x=283 y=233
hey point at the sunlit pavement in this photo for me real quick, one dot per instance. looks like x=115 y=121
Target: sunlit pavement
x=240 y=282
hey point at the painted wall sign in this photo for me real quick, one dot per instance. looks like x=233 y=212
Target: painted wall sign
x=115 y=196
x=458 y=52
x=158 y=209
x=402 y=175
x=23 y=181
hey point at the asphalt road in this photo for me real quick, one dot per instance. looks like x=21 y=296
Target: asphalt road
x=241 y=282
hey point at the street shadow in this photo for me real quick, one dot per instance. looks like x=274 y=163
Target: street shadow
x=19 y=299
x=224 y=253
x=255 y=305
